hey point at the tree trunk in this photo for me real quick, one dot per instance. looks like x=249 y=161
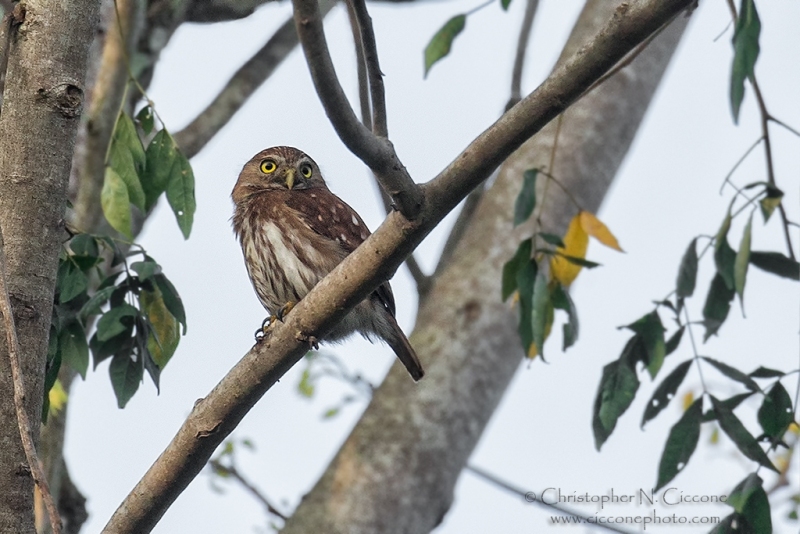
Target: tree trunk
x=397 y=470
x=42 y=103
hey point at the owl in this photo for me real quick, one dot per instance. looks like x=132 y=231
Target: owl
x=294 y=231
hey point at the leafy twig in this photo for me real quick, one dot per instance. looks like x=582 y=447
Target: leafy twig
x=26 y=436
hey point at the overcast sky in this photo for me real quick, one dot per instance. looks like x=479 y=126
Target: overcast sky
x=666 y=193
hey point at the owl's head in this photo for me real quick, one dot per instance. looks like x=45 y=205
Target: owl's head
x=277 y=168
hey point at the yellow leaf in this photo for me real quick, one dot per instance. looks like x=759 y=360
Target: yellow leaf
x=595 y=228
x=58 y=397
x=688 y=399
x=576 y=240
x=794 y=428
x=165 y=326
x=714 y=436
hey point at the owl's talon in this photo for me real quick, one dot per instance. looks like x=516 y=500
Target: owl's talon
x=266 y=328
x=312 y=342
x=283 y=312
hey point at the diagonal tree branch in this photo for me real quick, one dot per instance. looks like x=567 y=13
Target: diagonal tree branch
x=215 y=416
x=241 y=86
x=377 y=152
x=374 y=74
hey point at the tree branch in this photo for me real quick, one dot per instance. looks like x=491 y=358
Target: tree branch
x=522 y=47
x=215 y=416
x=231 y=470
x=25 y=433
x=374 y=74
x=377 y=152
x=241 y=87
x=361 y=71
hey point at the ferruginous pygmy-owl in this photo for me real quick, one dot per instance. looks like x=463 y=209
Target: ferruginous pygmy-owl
x=294 y=231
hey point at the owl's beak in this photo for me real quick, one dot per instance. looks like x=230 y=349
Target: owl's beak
x=290 y=178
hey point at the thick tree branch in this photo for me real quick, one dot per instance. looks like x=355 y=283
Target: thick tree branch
x=241 y=87
x=42 y=103
x=107 y=95
x=377 y=152
x=215 y=416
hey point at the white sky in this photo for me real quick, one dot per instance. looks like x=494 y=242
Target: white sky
x=540 y=437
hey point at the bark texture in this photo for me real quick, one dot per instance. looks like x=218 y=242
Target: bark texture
x=42 y=103
x=397 y=470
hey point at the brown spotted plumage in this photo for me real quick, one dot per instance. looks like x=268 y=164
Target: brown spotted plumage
x=294 y=231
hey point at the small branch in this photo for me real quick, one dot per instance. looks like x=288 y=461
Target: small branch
x=522 y=47
x=375 y=76
x=423 y=280
x=727 y=179
x=376 y=152
x=35 y=465
x=765 y=116
x=241 y=87
x=361 y=70
x=536 y=499
x=233 y=472
x=460 y=226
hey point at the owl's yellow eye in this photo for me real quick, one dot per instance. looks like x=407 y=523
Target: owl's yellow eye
x=305 y=170
x=268 y=166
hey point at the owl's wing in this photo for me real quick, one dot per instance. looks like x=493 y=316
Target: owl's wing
x=331 y=217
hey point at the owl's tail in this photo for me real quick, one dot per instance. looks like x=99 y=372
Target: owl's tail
x=405 y=352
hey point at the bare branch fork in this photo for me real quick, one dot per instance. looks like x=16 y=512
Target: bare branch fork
x=375 y=151
x=215 y=416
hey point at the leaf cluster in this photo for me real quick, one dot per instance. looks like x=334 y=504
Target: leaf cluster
x=136 y=313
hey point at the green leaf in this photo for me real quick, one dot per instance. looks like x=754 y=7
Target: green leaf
x=93 y=305
x=681 y=443
x=750 y=501
x=553 y=239
x=579 y=261
x=717 y=306
x=180 y=194
x=163 y=341
x=305 y=386
x=121 y=160
x=110 y=324
x=672 y=343
x=687 y=273
x=765 y=372
x=512 y=266
x=526 y=200
x=162 y=157
x=115 y=202
x=776 y=263
x=172 y=300
x=146 y=269
x=526 y=277
x=331 y=412
x=146 y=119
x=733 y=374
x=563 y=301
x=731 y=404
x=126 y=375
x=540 y=311
x=617 y=389
x=743 y=439
x=745 y=52
x=743 y=260
x=775 y=414
x=125 y=137
x=101 y=350
x=665 y=392
x=651 y=332
x=770 y=202
x=440 y=44
x=74 y=349
x=725 y=260
x=84 y=245
x=71 y=281
x=504 y=4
